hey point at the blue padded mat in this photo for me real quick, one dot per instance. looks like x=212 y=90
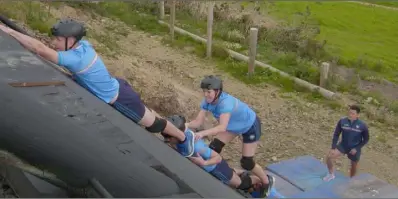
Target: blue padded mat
x=304 y=172
x=325 y=190
x=301 y=177
x=361 y=186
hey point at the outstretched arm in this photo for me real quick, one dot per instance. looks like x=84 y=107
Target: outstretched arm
x=221 y=127
x=32 y=44
x=225 y=108
x=215 y=158
x=198 y=121
x=336 y=135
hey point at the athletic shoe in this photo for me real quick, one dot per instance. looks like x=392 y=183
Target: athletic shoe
x=266 y=189
x=329 y=177
x=186 y=148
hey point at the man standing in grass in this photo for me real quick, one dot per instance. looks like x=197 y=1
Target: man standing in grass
x=355 y=136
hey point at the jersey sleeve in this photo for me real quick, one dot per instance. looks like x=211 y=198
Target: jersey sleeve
x=365 y=137
x=226 y=106
x=336 y=134
x=70 y=60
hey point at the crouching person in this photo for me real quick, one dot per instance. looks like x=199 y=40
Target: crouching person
x=212 y=162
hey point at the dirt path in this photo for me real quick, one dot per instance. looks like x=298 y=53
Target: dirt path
x=168 y=80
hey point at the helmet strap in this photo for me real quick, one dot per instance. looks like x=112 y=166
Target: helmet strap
x=66 y=44
x=219 y=91
x=75 y=43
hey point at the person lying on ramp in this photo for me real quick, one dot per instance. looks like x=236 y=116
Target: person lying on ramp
x=235 y=119
x=212 y=162
x=89 y=71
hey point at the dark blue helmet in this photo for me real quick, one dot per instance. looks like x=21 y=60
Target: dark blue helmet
x=69 y=28
x=178 y=121
x=211 y=82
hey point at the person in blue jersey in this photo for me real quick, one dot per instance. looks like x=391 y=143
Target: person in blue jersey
x=235 y=118
x=213 y=163
x=355 y=135
x=88 y=70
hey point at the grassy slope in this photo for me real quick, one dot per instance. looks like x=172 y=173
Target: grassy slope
x=35 y=15
x=128 y=14
x=223 y=34
x=385 y=3
x=352 y=31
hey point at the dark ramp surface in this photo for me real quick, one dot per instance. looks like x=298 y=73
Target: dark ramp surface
x=69 y=132
x=301 y=177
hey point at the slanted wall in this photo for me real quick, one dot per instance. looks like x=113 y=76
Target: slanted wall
x=68 y=131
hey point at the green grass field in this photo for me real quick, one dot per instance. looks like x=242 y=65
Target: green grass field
x=385 y=3
x=355 y=33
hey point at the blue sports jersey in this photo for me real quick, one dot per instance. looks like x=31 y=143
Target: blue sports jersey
x=242 y=116
x=203 y=149
x=89 y=71
x=355 y=134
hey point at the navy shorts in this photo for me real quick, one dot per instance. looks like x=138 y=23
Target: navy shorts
x=223 y=172
x=345 y=150
x=254 y=133
x=129 y=102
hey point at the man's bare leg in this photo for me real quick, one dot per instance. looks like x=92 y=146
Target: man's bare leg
x=353 y=170
x=332 y=155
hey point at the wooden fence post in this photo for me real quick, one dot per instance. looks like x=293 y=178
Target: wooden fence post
x=324 y=74
x=161 y=10
x=253 y=50
x=172 y=18
x=209 y=29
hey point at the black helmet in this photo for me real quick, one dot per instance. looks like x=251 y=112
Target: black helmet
x=211 y=82
x=178 y=121
x=69 y=28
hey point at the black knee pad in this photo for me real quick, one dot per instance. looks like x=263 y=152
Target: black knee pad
x=247 y=163
x=246 y=182
x=158 y=125
x=216 y=145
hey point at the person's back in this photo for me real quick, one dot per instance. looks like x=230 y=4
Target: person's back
x=242 y=116
x=89 y=70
